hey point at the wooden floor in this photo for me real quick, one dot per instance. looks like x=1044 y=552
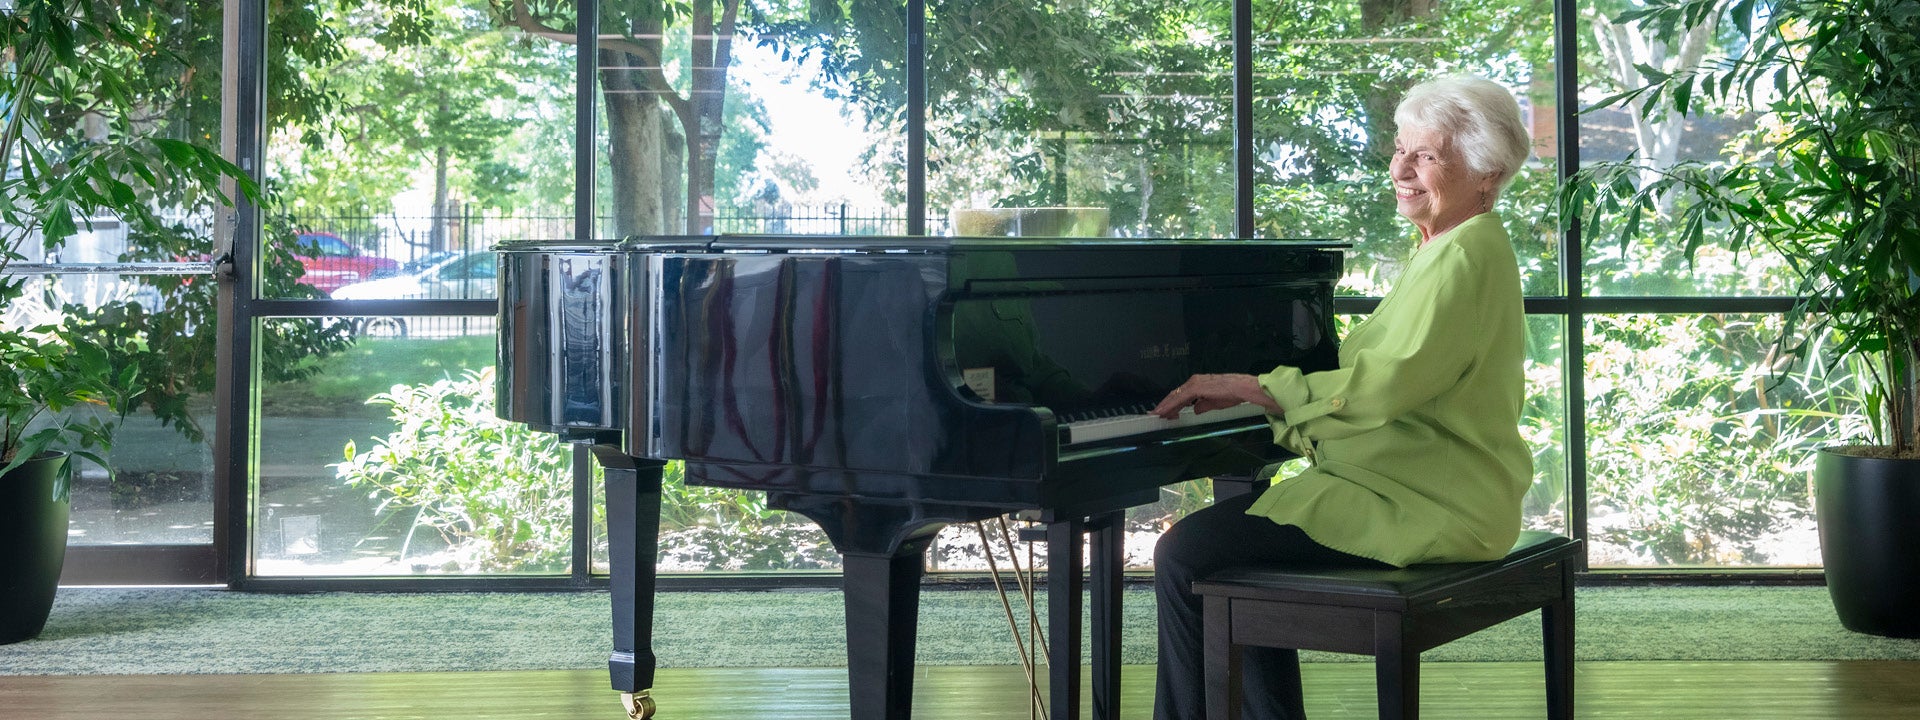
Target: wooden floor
x=1877 y=690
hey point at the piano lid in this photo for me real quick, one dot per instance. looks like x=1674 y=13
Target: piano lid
x=895 y=244
x=942 y=245
x=641 y=244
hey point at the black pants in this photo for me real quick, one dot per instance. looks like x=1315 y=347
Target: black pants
x=1211 y=539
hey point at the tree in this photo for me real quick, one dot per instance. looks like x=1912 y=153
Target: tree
x=154 y=82
x=1630 y=52
x=446 y=101
x=1140 y=89
x=654 y=128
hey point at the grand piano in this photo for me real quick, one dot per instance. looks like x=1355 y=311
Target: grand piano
x=885 y=387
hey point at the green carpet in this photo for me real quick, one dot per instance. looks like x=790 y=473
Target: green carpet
x=162 y=631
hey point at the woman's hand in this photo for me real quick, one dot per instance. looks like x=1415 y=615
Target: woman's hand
x=1212 y=392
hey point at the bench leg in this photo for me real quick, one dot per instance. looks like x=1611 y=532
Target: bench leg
x=1556 y=624
x=1222 y=661
x=1396 y=669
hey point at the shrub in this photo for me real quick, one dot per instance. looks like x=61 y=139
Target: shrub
x=496 y=491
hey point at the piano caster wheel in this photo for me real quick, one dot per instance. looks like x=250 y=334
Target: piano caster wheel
x=639 y=706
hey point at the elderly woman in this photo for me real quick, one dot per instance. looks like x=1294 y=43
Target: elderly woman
x=1414 y=440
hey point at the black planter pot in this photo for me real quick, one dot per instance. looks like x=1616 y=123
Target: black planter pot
x=1869 y=512
x=33 y=544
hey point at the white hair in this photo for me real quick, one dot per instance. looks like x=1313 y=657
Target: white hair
x=1479 y=116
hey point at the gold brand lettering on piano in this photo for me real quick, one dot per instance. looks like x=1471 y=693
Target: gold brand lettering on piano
x=1164 y=350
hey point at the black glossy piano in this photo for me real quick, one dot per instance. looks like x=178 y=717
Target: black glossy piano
x=885 y=387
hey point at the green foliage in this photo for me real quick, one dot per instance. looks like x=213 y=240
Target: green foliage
x=713 y=528
x=500 y=493
x=1691 y=430
x=48 y=375
x=97 y=107
x=76 y=143
x=444 y=97
x=1829 y=179
x=1123 y=105
x=345 y=380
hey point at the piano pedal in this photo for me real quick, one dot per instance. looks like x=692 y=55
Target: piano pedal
x=639 y=705
x=1031 y=529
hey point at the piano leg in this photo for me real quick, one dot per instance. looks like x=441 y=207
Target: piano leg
x=883 y=616
x=1107 y=539
x=1106 y=535
x=633 y=545
x=1064 y=585
x=882 y=550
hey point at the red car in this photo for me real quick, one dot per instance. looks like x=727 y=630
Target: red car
x=331 y=262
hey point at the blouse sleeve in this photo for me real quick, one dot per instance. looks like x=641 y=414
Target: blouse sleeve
x=1422 y=340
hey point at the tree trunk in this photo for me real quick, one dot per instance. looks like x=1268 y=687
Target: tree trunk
x=1625 y=47
x=437 y=234
x=712 y=52
x=673 y=181
x=634 y=143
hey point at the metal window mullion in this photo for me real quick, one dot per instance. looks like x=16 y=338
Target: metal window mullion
x=585 y=163
x=1243 y=211
x=1567 y=125
x=113 y=268
x=916 y=117
x=243 y=142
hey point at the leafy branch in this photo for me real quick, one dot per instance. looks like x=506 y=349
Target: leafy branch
x=1831 y=184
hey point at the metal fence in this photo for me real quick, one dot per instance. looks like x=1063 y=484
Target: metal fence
x=410 y=237
x=841 y=219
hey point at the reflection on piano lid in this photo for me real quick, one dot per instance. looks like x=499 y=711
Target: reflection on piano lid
x=820 y=362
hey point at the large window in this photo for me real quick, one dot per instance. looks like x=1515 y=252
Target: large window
x=404 y=142
x=89 y=112
x=1699 y=429
x=1665 y=428
x=1700 y=441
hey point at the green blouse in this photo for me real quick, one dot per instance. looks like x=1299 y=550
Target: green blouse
x=1414 y=440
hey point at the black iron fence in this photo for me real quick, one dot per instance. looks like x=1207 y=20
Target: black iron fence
x=411 y=237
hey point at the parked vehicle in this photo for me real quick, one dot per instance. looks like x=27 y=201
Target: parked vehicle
x=462 y=276
x=331 y=263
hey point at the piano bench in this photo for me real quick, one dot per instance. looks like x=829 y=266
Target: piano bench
x=1391 y=614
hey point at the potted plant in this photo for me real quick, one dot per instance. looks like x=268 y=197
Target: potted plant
x=75 y=143
x=48 y=378
x=1833 y=187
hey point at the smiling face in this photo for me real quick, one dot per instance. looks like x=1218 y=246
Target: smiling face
x=1433 y=185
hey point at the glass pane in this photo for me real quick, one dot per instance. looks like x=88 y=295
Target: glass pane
x=141 y=73
x=1649 y=259
x=1121 y=109
x=400 y=143
x=384 y=457
x=466 y=271
x=813 y=137
x=706 y=529
x=1543 y=422
x=1700 y=440
x=717 y=529
x=1327 y=80
x=159 y=492
x=159 y=489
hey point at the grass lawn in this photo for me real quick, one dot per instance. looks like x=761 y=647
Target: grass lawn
x=373 y=366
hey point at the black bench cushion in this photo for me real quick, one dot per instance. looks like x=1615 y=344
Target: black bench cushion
x=1253 y=581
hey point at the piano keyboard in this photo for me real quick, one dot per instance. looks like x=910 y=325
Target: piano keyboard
x=1134 y=421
